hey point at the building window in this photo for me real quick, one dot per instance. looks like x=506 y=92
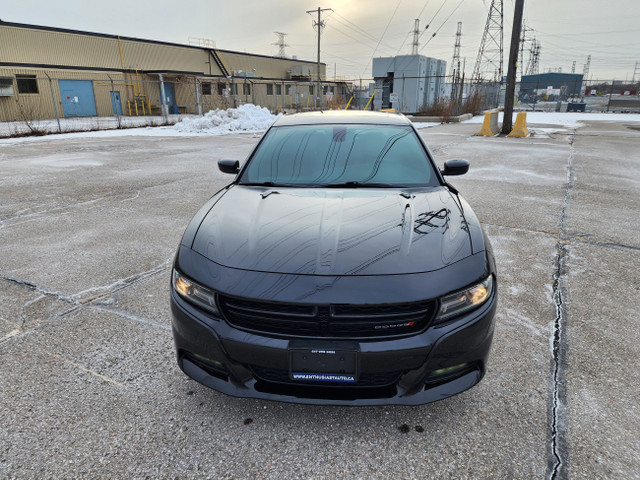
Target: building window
x=278 y=89
x=221 y=88
x=27 y=84
x=310 y=89
x=269 y=89
x=206 y=88
x=246 y=88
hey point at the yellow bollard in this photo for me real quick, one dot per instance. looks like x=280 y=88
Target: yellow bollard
x=489 y=125
x=349 y=102
x=520 y=128
x=374 y=94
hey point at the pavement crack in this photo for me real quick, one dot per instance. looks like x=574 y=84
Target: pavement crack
x=131 y=316
x=36 y=288
x=558 y=455
x=94 y=293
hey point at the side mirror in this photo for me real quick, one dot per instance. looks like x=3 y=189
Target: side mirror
x=229 y=166
x=455 y=167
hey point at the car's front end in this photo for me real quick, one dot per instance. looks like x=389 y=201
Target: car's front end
x=398 y=348
x=338 y=268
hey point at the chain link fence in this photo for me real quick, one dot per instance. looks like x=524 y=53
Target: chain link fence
x=36 y=104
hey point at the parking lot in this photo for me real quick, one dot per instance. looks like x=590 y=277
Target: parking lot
x=89 y=386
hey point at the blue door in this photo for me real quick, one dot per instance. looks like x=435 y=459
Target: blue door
x=169 y=97
x=77 y=98
x=115 y=103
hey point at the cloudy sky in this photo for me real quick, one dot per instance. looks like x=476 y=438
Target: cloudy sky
x=357 y=30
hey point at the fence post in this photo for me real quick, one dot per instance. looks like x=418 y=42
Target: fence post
x=613 y=82
x=163 y=100
x=198 y=106
x=55 y=105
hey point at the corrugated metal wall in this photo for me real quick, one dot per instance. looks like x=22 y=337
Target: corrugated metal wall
x=39 y=51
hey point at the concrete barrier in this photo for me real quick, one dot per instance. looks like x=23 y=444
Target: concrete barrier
x=520 y=128
x=439 y=119
x=489 y=125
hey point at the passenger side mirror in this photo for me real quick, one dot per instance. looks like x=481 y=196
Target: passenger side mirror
x=455 y=167
x=229 y=166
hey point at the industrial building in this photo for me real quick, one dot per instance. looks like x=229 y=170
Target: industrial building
x=48 y=72
x=554 y=85
x=408 y=82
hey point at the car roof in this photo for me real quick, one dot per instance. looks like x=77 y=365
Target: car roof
x=342 y=116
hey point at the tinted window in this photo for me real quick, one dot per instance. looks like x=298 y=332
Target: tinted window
x=337 y=154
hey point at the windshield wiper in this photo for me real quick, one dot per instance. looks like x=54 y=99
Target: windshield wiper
x=259 y=184
x=354 y=184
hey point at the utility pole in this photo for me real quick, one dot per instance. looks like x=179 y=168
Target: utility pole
x=507 y=122
x=320 y=24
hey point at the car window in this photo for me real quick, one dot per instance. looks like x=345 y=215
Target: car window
x=314 y=155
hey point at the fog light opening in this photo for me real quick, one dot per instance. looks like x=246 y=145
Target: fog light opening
x=448 y=370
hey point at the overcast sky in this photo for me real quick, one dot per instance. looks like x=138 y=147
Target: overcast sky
x=568 y=30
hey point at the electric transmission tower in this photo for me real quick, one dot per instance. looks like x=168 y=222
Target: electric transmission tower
x=573 y=67
x=281 y=44
x=636 y=70
x=533 y=66
x=454 y=72
x=523 y=40
x=585 y=70
x=416 y=37
x=489 y=60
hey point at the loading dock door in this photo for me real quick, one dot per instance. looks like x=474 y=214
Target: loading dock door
x=77 y=98
x=115 y=103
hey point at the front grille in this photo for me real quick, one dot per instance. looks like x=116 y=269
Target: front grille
x=379 y=379
x=333 y=321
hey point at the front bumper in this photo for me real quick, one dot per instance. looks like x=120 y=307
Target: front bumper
x=243 y=364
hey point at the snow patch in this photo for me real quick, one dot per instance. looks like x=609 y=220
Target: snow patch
x=570 y=120
x=246 y=118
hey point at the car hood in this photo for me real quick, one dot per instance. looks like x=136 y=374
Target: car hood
x=361 y=231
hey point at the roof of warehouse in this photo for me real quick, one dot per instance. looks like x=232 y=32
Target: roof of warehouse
x=135 y=39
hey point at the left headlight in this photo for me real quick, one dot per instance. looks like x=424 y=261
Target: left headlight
x=457 y=303
x=195 y=293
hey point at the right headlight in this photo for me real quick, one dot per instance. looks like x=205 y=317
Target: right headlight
x=195 y=293
x=457 y=303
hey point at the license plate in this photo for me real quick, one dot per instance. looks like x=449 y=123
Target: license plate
x=324 y=365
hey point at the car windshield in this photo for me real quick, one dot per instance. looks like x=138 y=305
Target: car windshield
x=340 y=156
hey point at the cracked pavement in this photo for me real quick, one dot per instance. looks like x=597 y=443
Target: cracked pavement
x=89 y=386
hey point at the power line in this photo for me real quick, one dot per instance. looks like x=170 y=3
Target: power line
x=443 y=23
x=382 y=36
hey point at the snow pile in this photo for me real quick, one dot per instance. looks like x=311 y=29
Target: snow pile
x=246 y=118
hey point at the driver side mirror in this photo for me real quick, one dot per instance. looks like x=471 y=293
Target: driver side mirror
x=229 y=166
x=455 y=167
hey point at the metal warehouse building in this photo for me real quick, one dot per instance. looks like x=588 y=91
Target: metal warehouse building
x=558 y=85
x=47 y=72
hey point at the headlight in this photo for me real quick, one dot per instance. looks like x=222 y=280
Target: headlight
x=454 y=304
x=195 y=293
